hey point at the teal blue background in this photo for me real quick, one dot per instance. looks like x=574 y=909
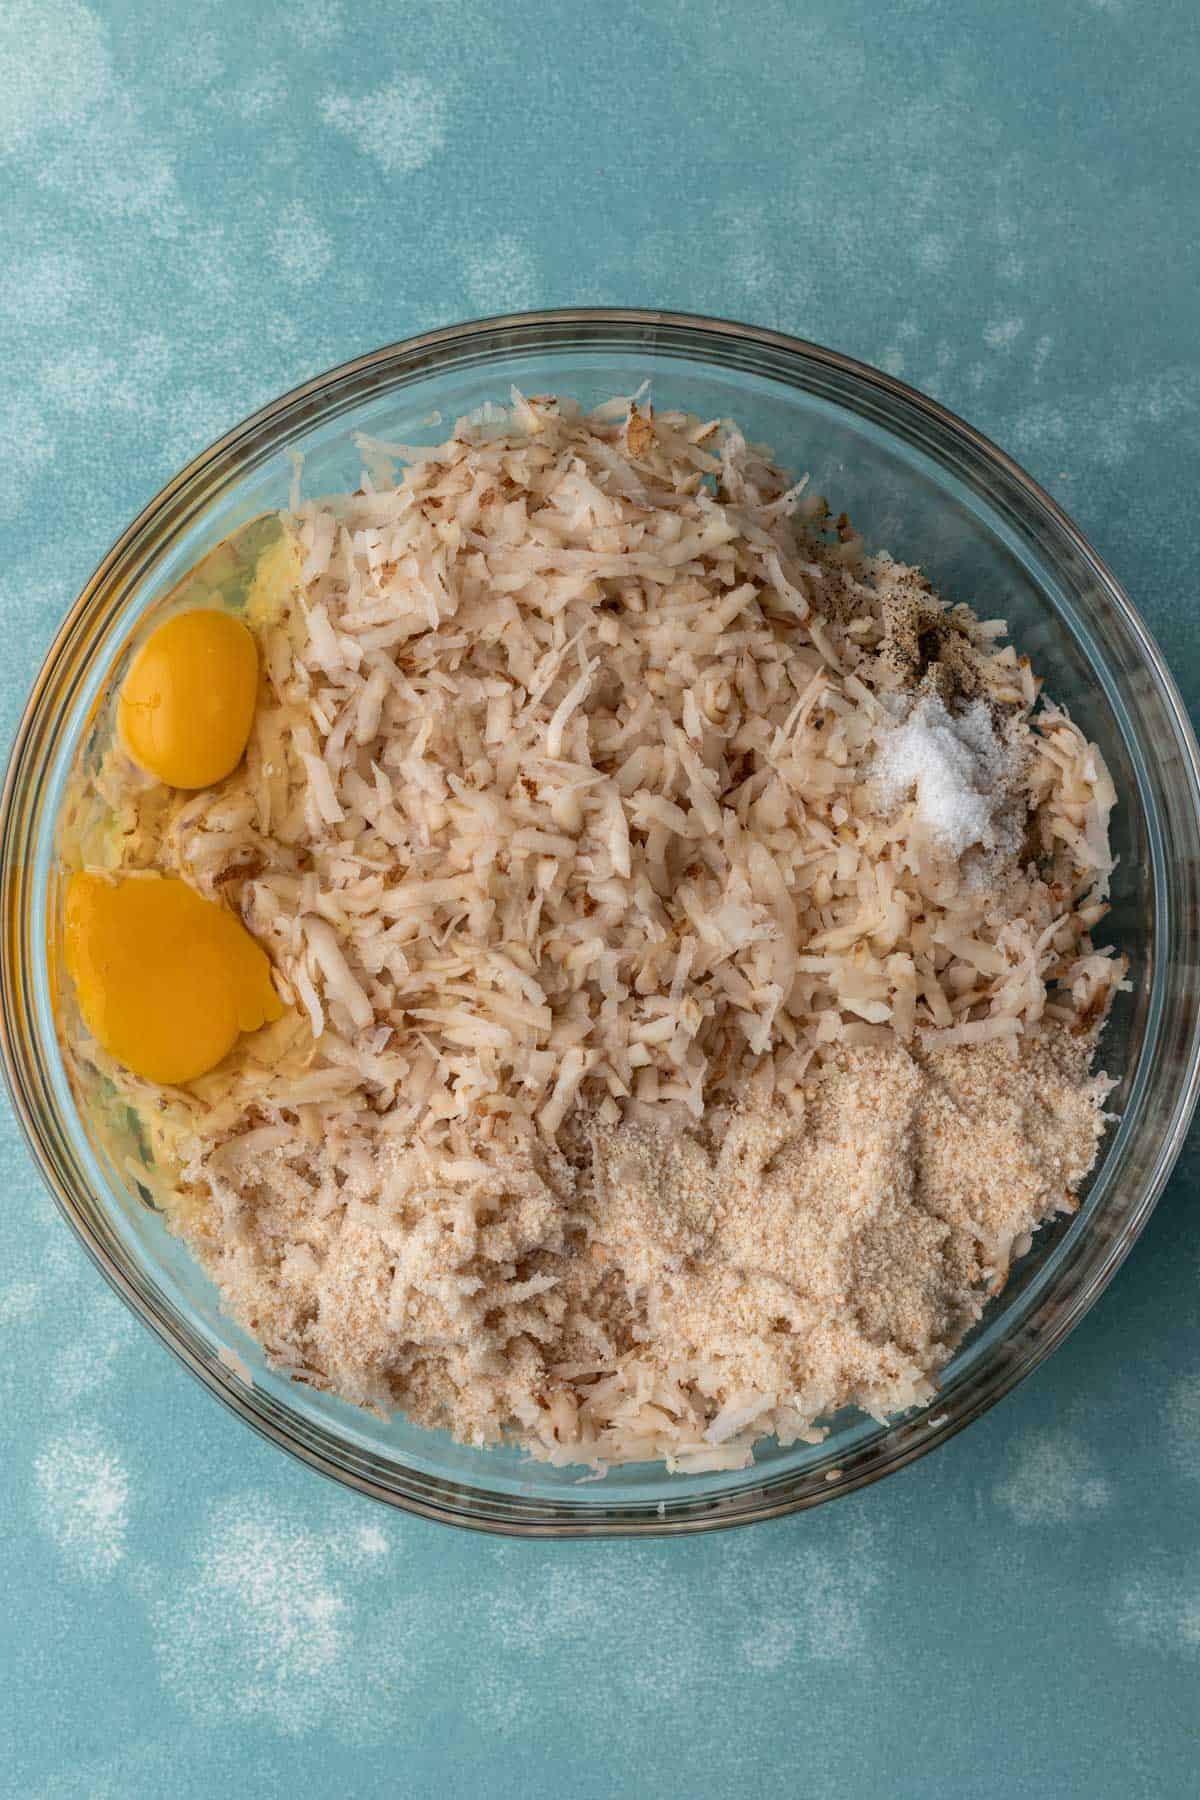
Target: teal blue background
x=203 y=202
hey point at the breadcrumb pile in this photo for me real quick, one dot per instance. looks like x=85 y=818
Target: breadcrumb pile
x=685 y=918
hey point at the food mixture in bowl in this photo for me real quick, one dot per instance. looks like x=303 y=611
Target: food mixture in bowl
x=622 y=981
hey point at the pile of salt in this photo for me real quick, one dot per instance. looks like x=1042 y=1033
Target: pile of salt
x=960 y=769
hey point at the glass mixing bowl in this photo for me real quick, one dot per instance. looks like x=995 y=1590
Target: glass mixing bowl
x=917 y=481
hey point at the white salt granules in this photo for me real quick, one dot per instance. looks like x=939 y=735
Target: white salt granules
x=961 y=771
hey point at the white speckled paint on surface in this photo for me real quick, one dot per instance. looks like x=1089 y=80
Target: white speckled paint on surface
x=1158 y=1609
x=995 y=203
x=1055 y=1481
x=58 y=69
x=402 y=126
x=82 y=1501
x=501 y=276
x=1183 y=1424
x=301 y=247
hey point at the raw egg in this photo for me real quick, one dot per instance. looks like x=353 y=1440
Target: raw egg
x=187 y=703
x=165 y=978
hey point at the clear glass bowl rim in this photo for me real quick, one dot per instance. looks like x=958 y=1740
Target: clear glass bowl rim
x=269 y=430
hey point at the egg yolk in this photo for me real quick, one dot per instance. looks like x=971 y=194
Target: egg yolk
x=187 y=703
x=165 y=978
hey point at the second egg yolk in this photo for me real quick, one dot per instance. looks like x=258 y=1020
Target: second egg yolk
x=165 y=979
x=187 y=703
